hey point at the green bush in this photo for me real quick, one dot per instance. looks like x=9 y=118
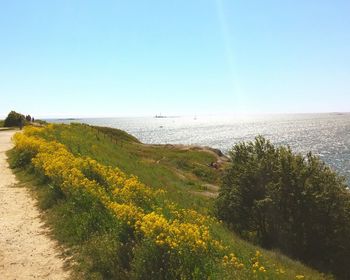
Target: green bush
x=14 y=119
x=21 y=159
x=290 y=202
x=154 y=262
x=150 y=262
x=106 y=257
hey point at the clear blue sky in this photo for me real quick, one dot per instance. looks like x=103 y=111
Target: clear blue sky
x=125 y=58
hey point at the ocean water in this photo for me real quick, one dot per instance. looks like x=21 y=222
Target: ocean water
x=326 y=135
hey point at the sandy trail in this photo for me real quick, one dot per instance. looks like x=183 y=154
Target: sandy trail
x=26 y=251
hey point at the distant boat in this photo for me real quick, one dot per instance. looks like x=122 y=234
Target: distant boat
x=164 y=117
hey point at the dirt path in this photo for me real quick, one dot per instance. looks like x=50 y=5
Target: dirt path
x=26 y=251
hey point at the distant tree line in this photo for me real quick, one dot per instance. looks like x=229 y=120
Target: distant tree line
x=15 y=119
x=289 y=202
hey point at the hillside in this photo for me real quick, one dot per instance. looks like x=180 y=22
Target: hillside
x=183 y=170
x=162 y=220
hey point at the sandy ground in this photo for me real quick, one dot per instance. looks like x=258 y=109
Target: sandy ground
x=26 y=251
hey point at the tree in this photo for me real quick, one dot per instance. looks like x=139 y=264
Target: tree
x=28 y=118
x=14 y=119
x=287 y=201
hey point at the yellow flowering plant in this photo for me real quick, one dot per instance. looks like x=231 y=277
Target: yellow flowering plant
x=182 y=236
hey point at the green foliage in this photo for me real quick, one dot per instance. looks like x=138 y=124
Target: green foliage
x=287 y=201
x=152 y=262
x=103 y=248
x=208 y=174
x=106 y=258
x=116 y=134
x=21 y=159
x=2 y=123
x=41 y=122
x=155 y=165
x=14 y=119
x=80 y=222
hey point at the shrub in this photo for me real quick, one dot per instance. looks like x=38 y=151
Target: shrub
x=288 y=201
x=14 y=119
x=106 y=257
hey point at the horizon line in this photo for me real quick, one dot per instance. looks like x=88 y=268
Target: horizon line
x=48 y=117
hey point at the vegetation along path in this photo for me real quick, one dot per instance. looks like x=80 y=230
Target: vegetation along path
x=26 y=251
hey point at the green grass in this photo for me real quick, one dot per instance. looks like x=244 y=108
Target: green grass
x=91 y=232
x=159 y=166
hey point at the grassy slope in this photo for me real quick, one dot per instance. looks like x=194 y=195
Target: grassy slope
x=162 y=166
x=156 y=165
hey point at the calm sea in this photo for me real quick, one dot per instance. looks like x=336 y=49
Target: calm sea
x=327 y=135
